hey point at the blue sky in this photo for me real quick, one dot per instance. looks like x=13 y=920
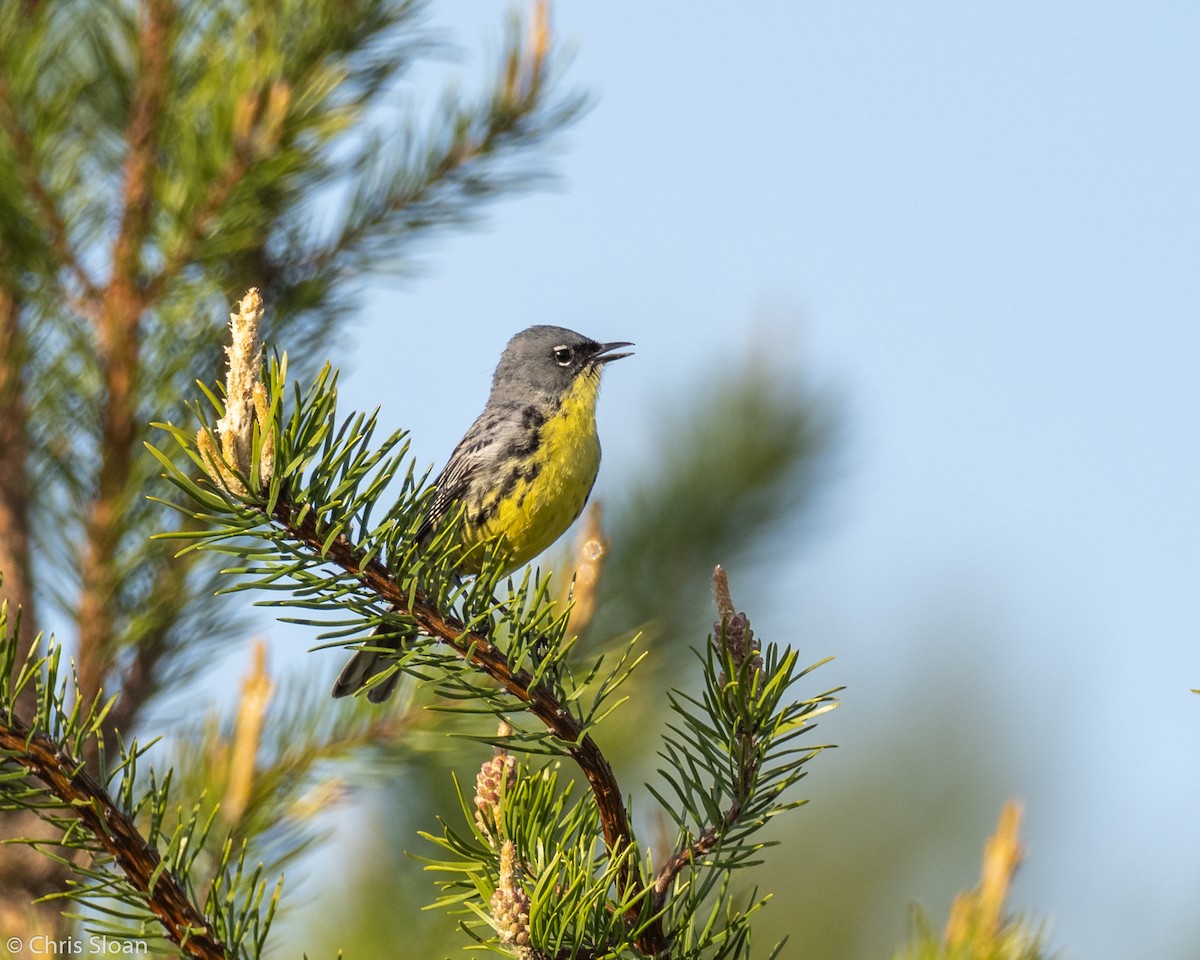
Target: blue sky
x=976 y=225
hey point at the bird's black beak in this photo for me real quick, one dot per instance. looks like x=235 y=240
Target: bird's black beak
x=602 y=354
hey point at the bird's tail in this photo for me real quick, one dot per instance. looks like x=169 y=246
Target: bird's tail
x=368 y=663
x=378 y=654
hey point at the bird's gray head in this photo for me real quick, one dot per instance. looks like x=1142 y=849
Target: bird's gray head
x=546 y=360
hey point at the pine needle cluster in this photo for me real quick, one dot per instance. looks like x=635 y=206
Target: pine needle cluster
x=145 y=868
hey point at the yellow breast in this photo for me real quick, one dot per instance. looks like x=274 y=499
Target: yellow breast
x=554 y=487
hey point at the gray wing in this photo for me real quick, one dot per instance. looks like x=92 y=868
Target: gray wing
x=497 y=436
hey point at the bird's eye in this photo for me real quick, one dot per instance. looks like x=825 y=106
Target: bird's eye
x=563 y=355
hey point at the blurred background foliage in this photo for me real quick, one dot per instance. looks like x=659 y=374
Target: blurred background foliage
x=271 y=155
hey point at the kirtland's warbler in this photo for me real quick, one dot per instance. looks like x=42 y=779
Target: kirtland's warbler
x=522 y=473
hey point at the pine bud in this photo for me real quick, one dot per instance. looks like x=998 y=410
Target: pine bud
x=510 y=903
x=732 y=631
x=495 y=778
x=246 y=405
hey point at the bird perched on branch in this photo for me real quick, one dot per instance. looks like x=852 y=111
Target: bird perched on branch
x=521 y=474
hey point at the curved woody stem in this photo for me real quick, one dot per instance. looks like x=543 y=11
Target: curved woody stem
x=115 y=832
x=480 y=652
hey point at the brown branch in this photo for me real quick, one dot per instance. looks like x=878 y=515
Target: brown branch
x=25 y=876
x=123 y=301
x=149 y=95
x=708 y=839
x=14 y=477
x=115 y=832
x=480 y=652
x=711 y=835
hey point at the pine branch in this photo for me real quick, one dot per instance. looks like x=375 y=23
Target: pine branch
x=145 y=119
x=51 y=219
x=14 y=467
x=258 y=121
x=116 y=833
x=401 y=189
x=694 y=851
x=729 y=761
x=734 y=638
x=477 y=650
x=119 y=323
x=137 y=853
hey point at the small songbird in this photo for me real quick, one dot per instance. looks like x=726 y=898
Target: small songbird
x=522 y=473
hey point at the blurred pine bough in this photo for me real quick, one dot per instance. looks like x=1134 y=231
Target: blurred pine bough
x=156 y=158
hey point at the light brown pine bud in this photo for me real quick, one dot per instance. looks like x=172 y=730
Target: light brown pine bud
x=731 y=631
x=510 y=902
x=496 y=776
